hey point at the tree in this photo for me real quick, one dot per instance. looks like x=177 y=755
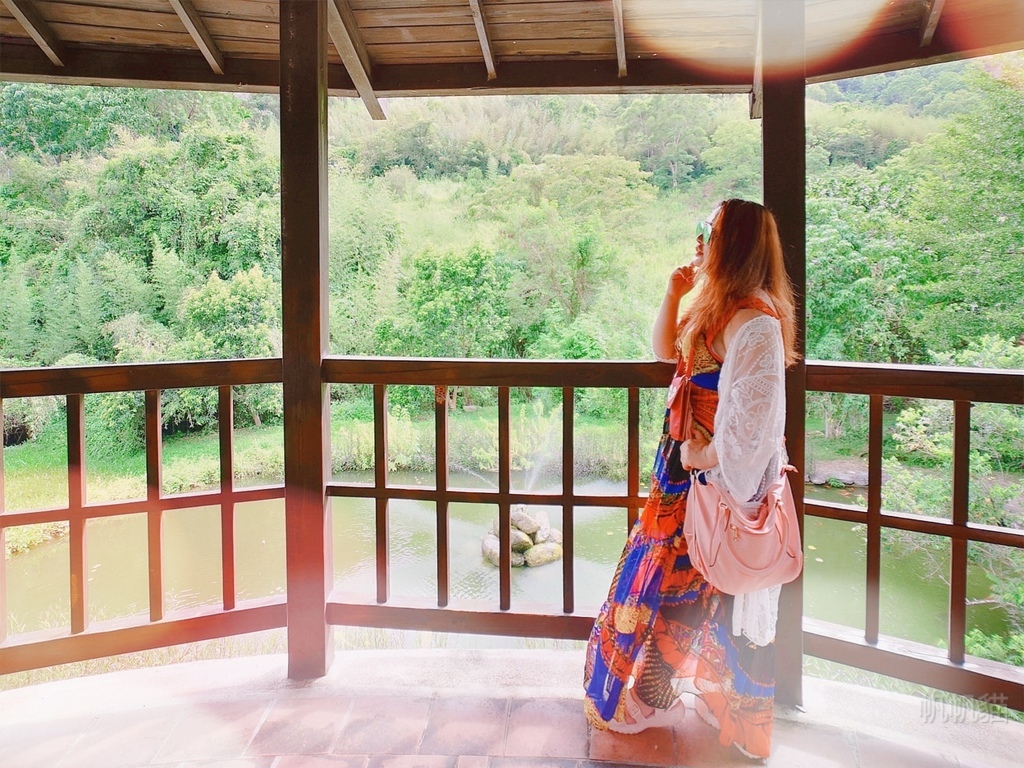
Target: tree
x=206 y=197
x=666 y=134
x=459 y=302
x=232 y=319
x=170 y=279
x=63 y=120
x=962 y=212
x=89 y=315
x=856 y=282
x=126 y=286
x=363 y=228
x=17 y=316
x=734 y=159
x=997 y=431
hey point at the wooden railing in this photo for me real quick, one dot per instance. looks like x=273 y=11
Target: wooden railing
x=82 y=640
x=554 y=620
x=951 y=670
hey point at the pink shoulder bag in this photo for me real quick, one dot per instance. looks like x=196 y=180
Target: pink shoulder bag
x=737 y=553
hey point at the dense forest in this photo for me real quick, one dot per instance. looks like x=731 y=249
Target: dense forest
x=145 y=225
x=142 y=226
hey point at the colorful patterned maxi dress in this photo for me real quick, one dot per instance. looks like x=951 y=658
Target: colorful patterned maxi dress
x=666 y=627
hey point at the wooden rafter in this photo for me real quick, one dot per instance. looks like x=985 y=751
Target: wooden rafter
x=197 y=29
x=28 y=16
x=485 y=38
x=344 y=33
x=930 y=21
x=620 y=36
x=757 y=87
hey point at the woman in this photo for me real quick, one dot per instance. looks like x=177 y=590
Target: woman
x=664 y=632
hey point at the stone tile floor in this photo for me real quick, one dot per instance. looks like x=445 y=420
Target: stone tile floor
x=447 y=709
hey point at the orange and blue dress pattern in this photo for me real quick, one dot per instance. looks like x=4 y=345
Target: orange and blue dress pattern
x=662 y=625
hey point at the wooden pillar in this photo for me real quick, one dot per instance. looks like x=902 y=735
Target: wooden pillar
x=784 y=169
x=304 y=294
x=3 y=534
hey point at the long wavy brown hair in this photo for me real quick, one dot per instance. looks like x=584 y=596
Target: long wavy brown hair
x=744 y=255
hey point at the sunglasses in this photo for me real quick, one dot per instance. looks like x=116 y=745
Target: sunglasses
x=704 y=231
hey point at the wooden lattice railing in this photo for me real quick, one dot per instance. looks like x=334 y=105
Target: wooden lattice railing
x=81 y=640
x=951 y=670
x=555 y=619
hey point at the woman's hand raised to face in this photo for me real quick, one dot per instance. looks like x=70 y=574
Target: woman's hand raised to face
x=683 y=278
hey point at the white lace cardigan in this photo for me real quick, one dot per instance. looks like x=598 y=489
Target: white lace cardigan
x=749 y=427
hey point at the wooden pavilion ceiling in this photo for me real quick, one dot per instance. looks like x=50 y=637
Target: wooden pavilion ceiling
x=383 y=48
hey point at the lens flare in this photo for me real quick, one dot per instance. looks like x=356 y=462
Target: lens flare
x=720 y=38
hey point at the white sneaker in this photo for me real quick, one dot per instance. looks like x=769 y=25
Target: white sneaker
x=705 y=714
x=660 y=718
x=742 y=751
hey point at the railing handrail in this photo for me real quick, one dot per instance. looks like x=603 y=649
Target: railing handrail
x=981 y=385
x=932 y=382
x=496 y=372
x=137 y=377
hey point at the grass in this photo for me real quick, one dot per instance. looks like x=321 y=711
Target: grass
x=36 y=472
x=853 y=444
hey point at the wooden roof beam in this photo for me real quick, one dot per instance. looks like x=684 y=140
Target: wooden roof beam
x=344 y=33
x=930 y=21
x=485 y=38
x=28 y=16
x=620 y=36
x=197 y=29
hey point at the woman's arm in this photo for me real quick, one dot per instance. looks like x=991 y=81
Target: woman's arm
x=663 y=337
x=751 y=416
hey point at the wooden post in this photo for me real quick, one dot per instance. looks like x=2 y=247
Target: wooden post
x=77 y=528
x=226 y=433
x=304 y=293
x=784 y=173
x=3 y=534
x=154 y=512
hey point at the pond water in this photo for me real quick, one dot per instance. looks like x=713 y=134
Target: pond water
x=914 y=599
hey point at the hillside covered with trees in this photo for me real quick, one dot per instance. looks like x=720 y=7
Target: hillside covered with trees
x=144 y=225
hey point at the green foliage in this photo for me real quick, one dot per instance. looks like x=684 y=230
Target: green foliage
x=26 y=417
x=170 y=280
x=856 y=288
x=936 y=90
x=36 y=118
x=667 y=135
x=458 y=302
x=510 y=226
x=848 y=134
x=734 y=158
x=961 y=209
x=17 y=317
x=1009 y=650
x=236 y=318
x=364 y=229
x=210 y=197
x=924 y=432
